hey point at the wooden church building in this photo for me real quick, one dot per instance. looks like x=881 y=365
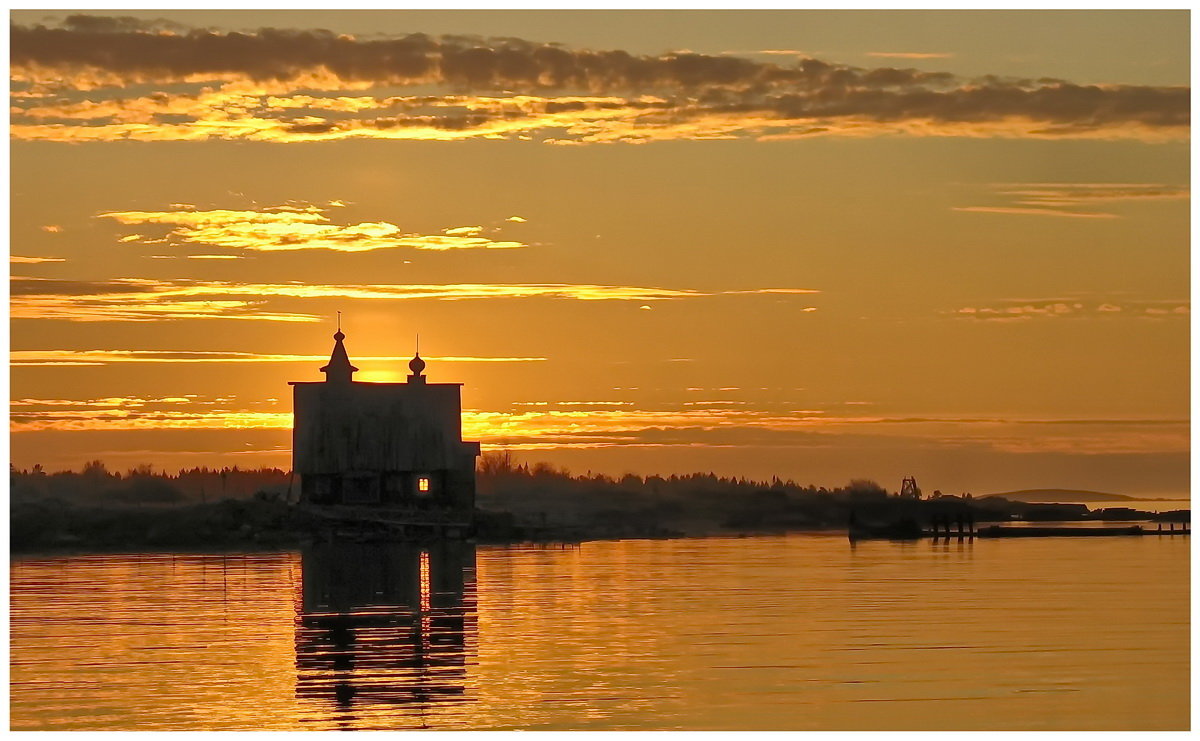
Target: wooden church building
x=395 y=445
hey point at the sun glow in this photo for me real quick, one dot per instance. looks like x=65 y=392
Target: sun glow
x=379 y=376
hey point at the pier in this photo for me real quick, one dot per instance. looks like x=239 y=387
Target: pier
x=998 y=531
x=968 y=531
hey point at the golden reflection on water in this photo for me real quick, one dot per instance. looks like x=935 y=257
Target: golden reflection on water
x=797 y=632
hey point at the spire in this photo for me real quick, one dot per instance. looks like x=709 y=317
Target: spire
x=339 y=368
x=417 y=365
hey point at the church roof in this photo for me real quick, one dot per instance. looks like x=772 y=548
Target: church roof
x=339 y=366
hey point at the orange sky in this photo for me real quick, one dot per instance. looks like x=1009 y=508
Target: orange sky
x=817 y=245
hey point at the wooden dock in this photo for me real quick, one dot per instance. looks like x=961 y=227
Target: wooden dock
x=999 y=531
x=1009 y=531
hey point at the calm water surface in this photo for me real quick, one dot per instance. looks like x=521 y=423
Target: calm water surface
x=796 y=632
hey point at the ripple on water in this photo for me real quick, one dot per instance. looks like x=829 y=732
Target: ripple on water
x=788 y=633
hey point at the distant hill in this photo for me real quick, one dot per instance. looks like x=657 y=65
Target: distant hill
x=1062 y=495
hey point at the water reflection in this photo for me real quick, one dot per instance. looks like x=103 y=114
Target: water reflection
x=383 y=626
x=768 y=633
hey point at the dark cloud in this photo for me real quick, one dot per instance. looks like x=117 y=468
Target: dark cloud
x=1057 y=103
x=89 y=50
x=119 y=24
x=22 y=286
x=127 y=46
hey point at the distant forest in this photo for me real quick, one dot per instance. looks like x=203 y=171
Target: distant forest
x=202 y=507
x=536 y=494
x=501 y=480
x=694 y=503
x=96 y=485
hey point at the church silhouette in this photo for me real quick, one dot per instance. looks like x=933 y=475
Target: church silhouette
x=394 y=445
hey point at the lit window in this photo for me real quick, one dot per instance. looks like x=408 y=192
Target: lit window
x=423 y=485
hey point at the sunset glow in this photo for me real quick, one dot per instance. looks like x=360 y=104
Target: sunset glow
x=788 y=245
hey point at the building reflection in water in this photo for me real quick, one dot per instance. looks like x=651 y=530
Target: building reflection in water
x=383 y=629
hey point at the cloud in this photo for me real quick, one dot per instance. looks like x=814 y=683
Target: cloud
x=140 y=299
x=34 y=260
x=26 y=286
x=1067 y=199
x=1059 y=308
x=463 y=231
x=265 y=85
x=909 y=54
x=135 y=299
x=290 y=228
x=121 y=417
x=572 y=403
x=604 y=424
x=774 y=52
x=1074 y=193
x=771 y=290
x=1033 y=212
x=106 y=357
x=115 y=402
x=966 y=113
x=271 y=55
x=120 y=24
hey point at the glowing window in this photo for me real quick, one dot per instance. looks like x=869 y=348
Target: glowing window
x=423 y=485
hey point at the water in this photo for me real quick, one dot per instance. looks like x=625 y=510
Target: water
x=787 y=633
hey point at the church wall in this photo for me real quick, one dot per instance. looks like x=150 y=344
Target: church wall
x=370 y=444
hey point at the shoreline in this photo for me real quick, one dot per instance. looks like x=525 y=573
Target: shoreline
x=252 y=547
x=261 y=525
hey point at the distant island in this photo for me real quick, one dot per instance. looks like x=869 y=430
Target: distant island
x=1062 y=495
x=97 y=509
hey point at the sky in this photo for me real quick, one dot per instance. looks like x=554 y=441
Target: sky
x=818 y=245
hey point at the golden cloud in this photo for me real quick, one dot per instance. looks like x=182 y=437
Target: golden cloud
x=139 y=299
x=261 y=88
x=1075 y=308
x=105 y=357
x=589 y=424
x=628 y=123
x=18 y=259
x=289 y=228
